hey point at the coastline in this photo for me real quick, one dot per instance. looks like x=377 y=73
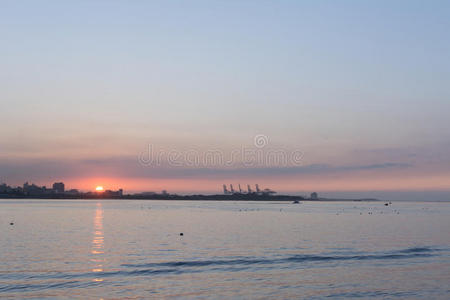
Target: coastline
x=237 y=197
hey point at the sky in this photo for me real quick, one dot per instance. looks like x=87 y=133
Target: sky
x=338 y=97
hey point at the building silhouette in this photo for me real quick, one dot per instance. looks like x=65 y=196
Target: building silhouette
x=58 y=187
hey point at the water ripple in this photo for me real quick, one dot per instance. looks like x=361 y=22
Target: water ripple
x=195 y=266
x=398 y=254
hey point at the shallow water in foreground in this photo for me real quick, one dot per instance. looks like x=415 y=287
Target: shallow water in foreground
x=111 y=249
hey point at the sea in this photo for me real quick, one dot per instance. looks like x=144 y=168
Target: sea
x=133 y=249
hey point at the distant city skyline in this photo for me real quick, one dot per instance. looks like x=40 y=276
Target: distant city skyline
x=359 y=89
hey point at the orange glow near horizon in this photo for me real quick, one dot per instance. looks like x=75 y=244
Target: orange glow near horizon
x=99 y=189
x=322 y=183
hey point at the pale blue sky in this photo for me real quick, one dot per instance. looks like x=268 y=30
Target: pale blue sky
x=347 y=82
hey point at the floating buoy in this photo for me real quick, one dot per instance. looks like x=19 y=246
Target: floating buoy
x=181 y=234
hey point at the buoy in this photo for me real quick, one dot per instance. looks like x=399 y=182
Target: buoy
x=181 y=234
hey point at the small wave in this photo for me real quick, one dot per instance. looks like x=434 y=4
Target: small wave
x=370 y=294
x=417 y=250
x=43 y=286
x=194 y=266
x=399 y=254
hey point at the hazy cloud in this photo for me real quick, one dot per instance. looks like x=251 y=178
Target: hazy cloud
x=31 y=169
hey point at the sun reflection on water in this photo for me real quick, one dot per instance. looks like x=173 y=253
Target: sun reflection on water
x=98 y=242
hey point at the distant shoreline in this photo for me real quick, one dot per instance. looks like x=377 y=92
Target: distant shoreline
x=236 y=197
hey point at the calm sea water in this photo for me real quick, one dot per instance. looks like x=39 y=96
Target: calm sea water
x=133 y=249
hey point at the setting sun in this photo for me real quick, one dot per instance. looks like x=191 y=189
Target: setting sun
x=99 y=189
